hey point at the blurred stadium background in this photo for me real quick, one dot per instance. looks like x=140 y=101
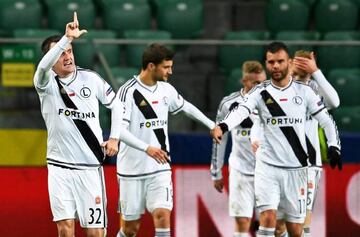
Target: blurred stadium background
x=212 y=38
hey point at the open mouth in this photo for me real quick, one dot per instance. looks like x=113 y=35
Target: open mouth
x=68 y=63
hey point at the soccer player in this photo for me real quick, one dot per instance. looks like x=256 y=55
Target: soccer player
x=282 y=160
x=145 y=183
x=242 y=159
x=69 y=98
x=303 y=69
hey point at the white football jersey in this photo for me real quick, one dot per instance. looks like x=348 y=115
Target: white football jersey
x=283 y=112
x=146 y=116
x=68 y=144
x=241 y=157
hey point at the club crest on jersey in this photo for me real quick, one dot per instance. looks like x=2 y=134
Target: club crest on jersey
x=85 y=92
x=165 y=100
x=97 y=200
x=297 y=100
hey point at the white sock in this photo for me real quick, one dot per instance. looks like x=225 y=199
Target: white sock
x=120 y=233
x=241 y=234
x=162 y=232
x=306 y=232
x=284 y=234
x=265 y=232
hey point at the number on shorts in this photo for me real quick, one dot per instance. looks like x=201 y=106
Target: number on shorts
x=309 y=198
x=302 y=206
x=92 y=216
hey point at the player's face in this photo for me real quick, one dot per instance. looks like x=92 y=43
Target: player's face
x=298 y=73
x=66 y=63
x=253 y=79
x=163 y=70
x=277 y=65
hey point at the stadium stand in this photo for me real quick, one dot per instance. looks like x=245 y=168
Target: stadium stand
x=347 y=84
x=284 y=15
x=60 y=12
x=336 y=15
x=233 y=56
x=339 y=56
x=183 y=19
x=10 y=12
x=298 y=36
x=134 y=52
x=232 y=82
x=348 y=118
x=122 y=15
x=85 y=53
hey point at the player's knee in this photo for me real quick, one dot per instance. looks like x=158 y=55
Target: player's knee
x=243 y=224
x=94 y=232
x=268 y=218
x=65 y=229
x=161 y=218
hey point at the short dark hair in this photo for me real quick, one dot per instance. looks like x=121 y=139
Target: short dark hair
x=156 y=53
x=275 y=47
x=45 y=46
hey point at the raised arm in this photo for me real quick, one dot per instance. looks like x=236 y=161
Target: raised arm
x=325 y=89
x=50 y=58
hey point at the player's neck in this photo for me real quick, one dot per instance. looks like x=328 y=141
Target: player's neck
x=282 y=83
x=147 y=79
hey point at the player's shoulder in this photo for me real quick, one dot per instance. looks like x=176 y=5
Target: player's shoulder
x=88 y=72
x=302 y=86
x=127 y=88
x=229 y=99
x=260 y=87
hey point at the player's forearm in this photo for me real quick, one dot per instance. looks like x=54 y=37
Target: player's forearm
x=326 y=90
x=327 y=123
x=256 y=132
x=49 y=60
x=234 y=118
x=116 y=119
x=194 y=113
x=129 y=139
x=217 y=158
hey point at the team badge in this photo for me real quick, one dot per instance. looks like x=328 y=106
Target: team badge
x=297 y=100
x=165 y=100
x=97 y=200
x=85 y=92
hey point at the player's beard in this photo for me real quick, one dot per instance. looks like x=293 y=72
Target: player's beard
x=282 y=73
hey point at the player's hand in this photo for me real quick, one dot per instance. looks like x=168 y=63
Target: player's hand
x=157 y=154
x=219 y=185
x=216 y=133
x=306 y=64
x=334 y=156
x=111 y=146
x=254 y=146
x=72 y=29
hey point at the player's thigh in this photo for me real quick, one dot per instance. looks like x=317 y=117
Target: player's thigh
x=131 y=198
x=241 y=194
x=60 y=187
x=90 y=197
x=159 y=192
x=314 y=177
x=267 y=187
x=294 y=195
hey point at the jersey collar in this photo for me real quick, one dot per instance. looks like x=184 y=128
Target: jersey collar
x=149 y=88
x=69 y=79
x=285 y=87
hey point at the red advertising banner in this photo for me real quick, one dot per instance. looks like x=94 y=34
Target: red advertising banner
x=199 y=210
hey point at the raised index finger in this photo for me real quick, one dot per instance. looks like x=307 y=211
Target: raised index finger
x=76 y=19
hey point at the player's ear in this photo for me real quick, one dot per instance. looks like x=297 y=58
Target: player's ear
x=151 y=66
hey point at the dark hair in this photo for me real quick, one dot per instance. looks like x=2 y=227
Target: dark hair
x=45 y=46
x=156 y=53
x=275 y=47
